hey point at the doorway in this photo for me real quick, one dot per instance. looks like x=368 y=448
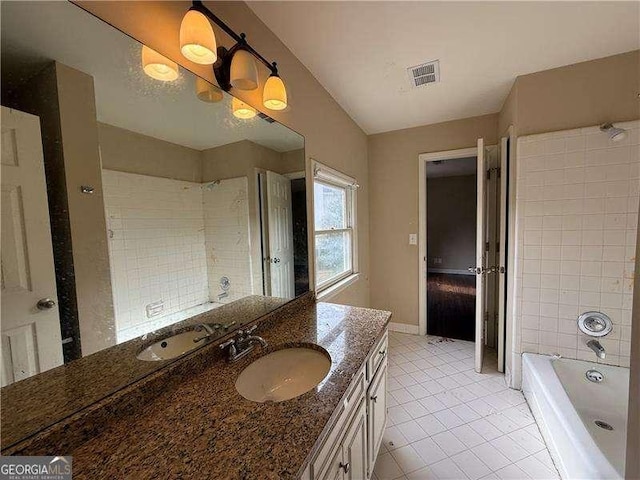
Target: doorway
x=451 y=248
x=461 y=224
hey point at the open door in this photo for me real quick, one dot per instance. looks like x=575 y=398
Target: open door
x=31 y=338
x=480 y=254
x=280 y=235
x=502 y=252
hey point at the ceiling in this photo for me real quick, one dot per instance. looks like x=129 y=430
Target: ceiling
x=454 y=167
x=34 y=33
x=359 y=51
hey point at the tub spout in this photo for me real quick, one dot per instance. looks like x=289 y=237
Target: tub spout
x=597 y=348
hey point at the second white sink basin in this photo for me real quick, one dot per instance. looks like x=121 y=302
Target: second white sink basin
x=172 y=347
x=283 y=375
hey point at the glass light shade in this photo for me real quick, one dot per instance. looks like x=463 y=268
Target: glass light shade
x=242 y=110
x=274 y=96
x=197 y=40
x=207 y=92
x=158 y=66
x=244 y=73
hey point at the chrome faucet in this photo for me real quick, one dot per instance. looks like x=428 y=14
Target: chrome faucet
x=209 y=329
x=243 y=344
x=597 y=348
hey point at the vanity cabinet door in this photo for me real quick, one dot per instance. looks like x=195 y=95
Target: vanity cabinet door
x=377 y=405
x=354 y=447
x=333 y=469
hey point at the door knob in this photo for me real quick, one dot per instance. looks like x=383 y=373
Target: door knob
x=45 y=304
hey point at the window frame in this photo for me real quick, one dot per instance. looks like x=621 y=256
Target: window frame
x=328 y=176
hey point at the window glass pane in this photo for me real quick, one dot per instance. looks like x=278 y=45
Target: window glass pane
x=333 y=255
x=330 y=205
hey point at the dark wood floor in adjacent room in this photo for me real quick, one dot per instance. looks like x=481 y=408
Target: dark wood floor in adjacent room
x=451 y=305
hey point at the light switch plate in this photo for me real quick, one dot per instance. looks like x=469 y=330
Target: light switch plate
x=413 y=239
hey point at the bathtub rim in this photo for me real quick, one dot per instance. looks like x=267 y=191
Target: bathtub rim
x=538 y=371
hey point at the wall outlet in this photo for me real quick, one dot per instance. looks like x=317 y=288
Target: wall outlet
x=413 y=239
x=437 y=260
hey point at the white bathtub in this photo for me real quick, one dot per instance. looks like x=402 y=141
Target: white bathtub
x=566 y=405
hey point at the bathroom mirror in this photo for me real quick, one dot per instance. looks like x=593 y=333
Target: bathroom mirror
x=136 y=202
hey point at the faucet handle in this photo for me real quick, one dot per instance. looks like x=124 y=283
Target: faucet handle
x=229 y=343
x=252 y=329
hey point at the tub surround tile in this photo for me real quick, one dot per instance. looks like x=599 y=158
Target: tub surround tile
x=576 y=219
x=195 y=424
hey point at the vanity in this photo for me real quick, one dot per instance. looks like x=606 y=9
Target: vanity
x=189 y=420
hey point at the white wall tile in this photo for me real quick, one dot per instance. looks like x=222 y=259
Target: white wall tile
x=156 y=247
x=576 y=217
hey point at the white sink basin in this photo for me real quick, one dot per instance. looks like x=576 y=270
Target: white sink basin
x=283 y=375
x=172 y=347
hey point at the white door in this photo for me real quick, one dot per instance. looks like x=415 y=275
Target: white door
x=280 y=235
x=481 y=174
x=502 y=254
x=31 y=340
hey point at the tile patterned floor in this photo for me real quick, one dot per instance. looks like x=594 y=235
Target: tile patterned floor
x=448 y=422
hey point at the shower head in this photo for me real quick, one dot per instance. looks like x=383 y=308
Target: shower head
x=209 y=186
x=615 y=134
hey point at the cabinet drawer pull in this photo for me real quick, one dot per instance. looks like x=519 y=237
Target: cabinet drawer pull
x=382 y=352
x=345 y=467
x=374 y=398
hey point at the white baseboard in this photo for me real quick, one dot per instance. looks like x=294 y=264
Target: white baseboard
x=404 y=328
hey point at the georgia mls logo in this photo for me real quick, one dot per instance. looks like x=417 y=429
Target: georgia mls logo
x=35 y=468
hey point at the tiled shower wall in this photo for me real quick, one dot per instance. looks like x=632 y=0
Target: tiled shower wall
x=156 y=246
x=226 y=221
x=576 y=221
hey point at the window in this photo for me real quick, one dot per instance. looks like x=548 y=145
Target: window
x=334 y=220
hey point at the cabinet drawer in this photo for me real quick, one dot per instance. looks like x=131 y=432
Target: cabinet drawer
x=351 y=400
x=378 y=354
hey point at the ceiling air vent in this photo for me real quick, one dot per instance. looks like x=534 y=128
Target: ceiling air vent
x=424 y=74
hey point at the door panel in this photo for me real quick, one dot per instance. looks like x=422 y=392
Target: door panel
x=377 y=399
x=480 y=254
x=502 y=254
x=31 y=340
x=354 y=449
x=280 y=235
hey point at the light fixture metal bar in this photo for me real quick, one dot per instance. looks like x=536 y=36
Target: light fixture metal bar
x=241 y=39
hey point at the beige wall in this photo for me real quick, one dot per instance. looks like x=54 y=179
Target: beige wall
x=393 y=164
x=331 y=136
x=79 y=131
x=579 y=95
x=451 y=222
x=131 y=152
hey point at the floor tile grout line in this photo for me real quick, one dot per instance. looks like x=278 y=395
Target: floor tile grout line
x=418 y=344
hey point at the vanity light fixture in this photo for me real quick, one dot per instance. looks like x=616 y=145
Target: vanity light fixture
x=158 y=66
x=234 y=67
x=197 y=40
x=274 y=95
x=207 y=92
x=242 y=110
x=243 y=73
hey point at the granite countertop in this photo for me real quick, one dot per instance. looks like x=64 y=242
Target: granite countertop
x=33 y=404
x=202 y=428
